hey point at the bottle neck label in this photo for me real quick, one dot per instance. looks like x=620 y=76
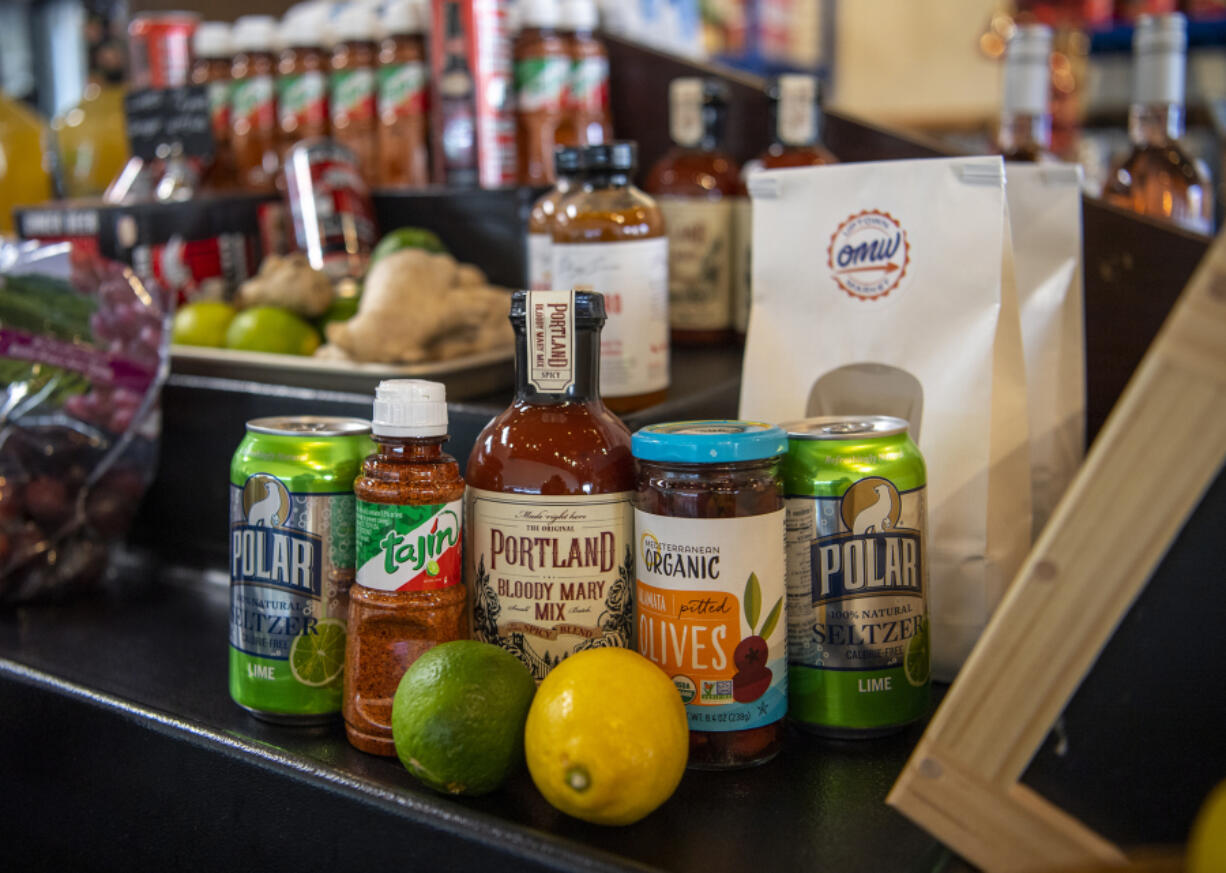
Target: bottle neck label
x=797 y=118
x=550 y=322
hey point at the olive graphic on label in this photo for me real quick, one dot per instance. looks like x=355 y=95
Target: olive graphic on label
x=749 y=686
x=750 y=654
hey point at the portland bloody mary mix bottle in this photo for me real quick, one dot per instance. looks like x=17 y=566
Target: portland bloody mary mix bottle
x=549 y=560
x=609 y=236
x=694 y=184
x=403 y=159
x=352 y=87
x=253 y=102
x=408 y=594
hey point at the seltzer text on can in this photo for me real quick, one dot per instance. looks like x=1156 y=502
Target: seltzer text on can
x=857 y=576
x=291 y=563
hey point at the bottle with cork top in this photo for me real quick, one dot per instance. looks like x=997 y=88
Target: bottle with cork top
x=408 y=594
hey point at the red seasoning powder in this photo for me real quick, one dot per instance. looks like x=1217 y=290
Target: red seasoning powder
x=408 y=594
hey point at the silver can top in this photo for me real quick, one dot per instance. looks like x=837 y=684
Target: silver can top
x=309 y=425
x=845 y=427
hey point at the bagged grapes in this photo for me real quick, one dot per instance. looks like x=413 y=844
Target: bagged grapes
x=84 y=350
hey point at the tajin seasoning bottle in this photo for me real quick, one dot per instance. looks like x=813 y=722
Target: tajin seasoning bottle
x=408 y=595
x=541 y=70
x=403 y=158
x=695 y=183
x=585 y=110
x=609 y=236
x=352 y=87
x=568 y=167
x=1024 y=133
x=302 y=77
x=549 y=559
x=796 y=113
x=711 y=585
x=253 y=102
x=211 y=68
x=1158 y=178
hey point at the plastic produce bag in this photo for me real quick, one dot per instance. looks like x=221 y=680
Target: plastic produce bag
x=84 y=350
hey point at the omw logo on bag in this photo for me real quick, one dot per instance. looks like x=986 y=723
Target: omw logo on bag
x=413 y=548
x=868 y=254
x=874 y=555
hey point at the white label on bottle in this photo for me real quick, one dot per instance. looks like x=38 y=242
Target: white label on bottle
x=797 y=110
x=711 y=612
x=699 y=262
x=633 y=277
x=742 y=263
x=540 y=261
x=550 y=319
x=550 y=575
x=685 y=111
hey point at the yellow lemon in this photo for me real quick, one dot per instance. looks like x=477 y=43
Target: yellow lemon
x=607 y=737
x=1207 y=845
x=203 y=323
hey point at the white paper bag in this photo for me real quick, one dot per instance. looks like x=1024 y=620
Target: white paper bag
x=1045 y=217
x=888 y=288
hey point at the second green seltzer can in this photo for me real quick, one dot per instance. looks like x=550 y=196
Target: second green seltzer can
x=857 y=576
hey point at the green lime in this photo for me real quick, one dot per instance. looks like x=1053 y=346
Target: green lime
x=917 y=661
x=317 y=656
x=271 y=329
x=202 y=323
x=432 y=568
x=407 y=238
x=340 y=309
x=458 y=716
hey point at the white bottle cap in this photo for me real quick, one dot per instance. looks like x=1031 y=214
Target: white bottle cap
x=254 y=33
x=212 y=40
x=410 y=408
x=1027 y=71
x=685 y=110
x=797 y=121
x=306 y=26
x=356 y=23
x=579 y=15
x=539 y=13
x=404 y=16
x=1159 y=45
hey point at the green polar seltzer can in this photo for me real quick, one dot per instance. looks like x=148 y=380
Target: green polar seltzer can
x=857 y=576
x=291 y=563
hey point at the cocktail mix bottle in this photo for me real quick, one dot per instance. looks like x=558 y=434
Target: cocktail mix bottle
x=549 y=557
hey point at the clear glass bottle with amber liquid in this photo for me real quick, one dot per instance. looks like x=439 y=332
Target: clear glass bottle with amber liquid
x=408 y=594
x=549 y=523
x=609 y=236
x=541 y=70
x=568 y=168
x=1159 y=178
x=403 y=157
x=695 y=183
x=796 y=122
x=352 y=87
x=1024 y=132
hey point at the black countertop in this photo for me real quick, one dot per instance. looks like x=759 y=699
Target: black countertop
x=121 y=748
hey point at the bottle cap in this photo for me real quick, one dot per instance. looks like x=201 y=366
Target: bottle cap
x=589 y=308
x=306 y=25
x=1027 y=70
x=254 y=33
x=1160 y=33
x=712 y=441
x=539 y=13
x=410 y=408
x=1159 y=45
x=568 y=160
x=212 y=40
x=620 y=155
x=579 y=15
x=404 y=17
x=356 y=23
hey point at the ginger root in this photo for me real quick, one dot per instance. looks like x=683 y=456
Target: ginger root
x=289 y=282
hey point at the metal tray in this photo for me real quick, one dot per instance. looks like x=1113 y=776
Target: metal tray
x=467 y=377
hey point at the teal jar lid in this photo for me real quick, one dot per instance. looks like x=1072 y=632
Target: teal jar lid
x=710 y=441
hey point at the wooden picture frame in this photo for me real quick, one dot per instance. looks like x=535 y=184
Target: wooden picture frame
x=1158 y=452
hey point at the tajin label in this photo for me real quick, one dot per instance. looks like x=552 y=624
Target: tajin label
x=551 y=340
x=353 y=95
x=587 y=87
x=409 y=548
x=710 y=611
x=402 y=89
x=540 y=83
x=549 y=576
x=252 y=104
x=302 y=100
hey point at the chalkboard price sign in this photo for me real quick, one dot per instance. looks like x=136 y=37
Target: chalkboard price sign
x=162 y=118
